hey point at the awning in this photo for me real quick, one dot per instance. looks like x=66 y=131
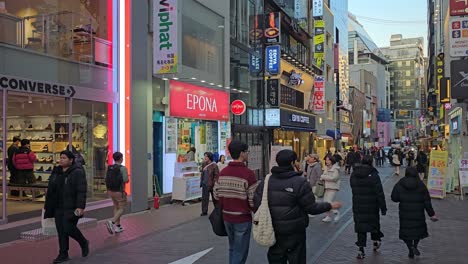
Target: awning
x=331 y=133
x=324 y=137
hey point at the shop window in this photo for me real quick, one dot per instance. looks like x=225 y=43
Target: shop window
x=292 y=97
x=76 y=30
x=330 y=110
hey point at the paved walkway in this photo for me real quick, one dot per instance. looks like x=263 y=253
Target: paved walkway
x=175 y=232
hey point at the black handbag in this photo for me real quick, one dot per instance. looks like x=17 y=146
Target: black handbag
x=217 y=221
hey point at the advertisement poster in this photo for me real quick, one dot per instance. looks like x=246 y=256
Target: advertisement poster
x=437 y=173
x=319 y=43
x=319 y=95
x=165 y=37
x=458 y=38
x=272 y=28
x=463 y=173
x=255 y=157
x=171 y=135
x=273 y=152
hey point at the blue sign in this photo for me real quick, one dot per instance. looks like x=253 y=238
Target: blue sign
x=272 y=59
x=255 y=62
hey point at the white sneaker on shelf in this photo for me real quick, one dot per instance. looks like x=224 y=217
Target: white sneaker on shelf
x=110 y=227
x=327 y=219
x=337 y=217
x=119 y=229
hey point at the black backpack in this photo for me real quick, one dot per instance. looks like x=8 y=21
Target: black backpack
x=114 y=178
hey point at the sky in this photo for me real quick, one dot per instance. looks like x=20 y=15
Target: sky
x=386 y=13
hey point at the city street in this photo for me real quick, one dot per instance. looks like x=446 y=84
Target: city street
x=182 y=237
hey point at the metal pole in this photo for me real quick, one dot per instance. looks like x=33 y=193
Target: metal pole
x=265 y=136
x=70 y=124
x=4 y=182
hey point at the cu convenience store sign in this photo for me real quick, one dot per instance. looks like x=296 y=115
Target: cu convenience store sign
x=191 y=101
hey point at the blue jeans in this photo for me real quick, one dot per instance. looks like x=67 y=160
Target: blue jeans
x=239 y=241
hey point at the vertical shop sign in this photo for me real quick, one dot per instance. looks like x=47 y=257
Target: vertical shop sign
x=272 y=59
x=317 y=8
x=458 y=7
x=300 y=13
x=437 y=173
x=255 y=30
x=439 y=72
x=272 y=28
x=319 y=95
x=458 y=38
x=273 y=92
x=165 y=36
x=255 y=62
x=319 y=43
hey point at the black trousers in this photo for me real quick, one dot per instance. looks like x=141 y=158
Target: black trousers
x=412 y=243
x=66 y=222
x=206 y=199
x=288 y=249
x=362 y=238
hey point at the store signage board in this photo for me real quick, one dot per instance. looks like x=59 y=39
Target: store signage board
x=273 y=92
x=272 y=59
x=296 y=119
x=191 y=101
x=273 y=117
x=319 y=95
x=458 y=7
x=165 y=37
x=437 y=173
x=319 y=43
x=458 y=38
x=255 y=64
x=317 y=8
x=22 y=85
x=459 y=79
x=238 y=107
x=272 y=32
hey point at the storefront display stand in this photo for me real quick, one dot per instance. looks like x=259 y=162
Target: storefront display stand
x=186 y=182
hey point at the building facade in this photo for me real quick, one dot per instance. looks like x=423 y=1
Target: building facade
x=406 y=69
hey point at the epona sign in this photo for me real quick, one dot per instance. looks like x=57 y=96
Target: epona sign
x=238 y=107
x=191 y=101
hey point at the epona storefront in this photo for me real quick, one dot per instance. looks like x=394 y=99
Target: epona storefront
x=197 y=117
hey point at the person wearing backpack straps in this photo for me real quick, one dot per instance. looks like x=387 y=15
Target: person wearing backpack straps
x=290 y=200
x=116 y=177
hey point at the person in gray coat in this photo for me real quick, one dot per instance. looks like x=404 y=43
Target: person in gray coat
x=314 y=170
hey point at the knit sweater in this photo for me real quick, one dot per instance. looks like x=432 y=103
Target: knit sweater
x=235 y=190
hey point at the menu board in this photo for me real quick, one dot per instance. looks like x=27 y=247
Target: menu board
x=437 y=173
x=171 y=135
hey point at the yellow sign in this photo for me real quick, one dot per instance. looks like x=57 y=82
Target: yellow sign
x=319 y=23
x=437 y=173
x=319 y=39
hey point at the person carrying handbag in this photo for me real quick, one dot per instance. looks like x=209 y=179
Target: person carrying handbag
x=290 y=199
x=331 y=178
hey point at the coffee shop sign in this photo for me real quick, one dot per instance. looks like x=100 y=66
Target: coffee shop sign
x=300 y=119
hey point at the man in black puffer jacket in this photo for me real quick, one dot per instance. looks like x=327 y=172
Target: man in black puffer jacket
x=290 y=199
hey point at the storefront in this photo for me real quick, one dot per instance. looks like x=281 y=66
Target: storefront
x=296 y=131
x=197 y=118
x=60 y=90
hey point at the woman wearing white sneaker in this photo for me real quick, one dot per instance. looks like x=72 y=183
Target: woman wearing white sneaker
x=331 y=178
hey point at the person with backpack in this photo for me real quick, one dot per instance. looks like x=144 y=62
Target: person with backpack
x=116 y=178
x=290 y=200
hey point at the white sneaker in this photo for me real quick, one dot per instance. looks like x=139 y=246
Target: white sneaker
x=110 y=227
x=311 y=216
x=337 y=217
x=119 y=229
x=327 y=219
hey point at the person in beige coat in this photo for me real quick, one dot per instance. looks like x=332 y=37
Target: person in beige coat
x=331 y=178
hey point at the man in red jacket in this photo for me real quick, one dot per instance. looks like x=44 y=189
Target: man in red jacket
x=235 y=190
x=23 y=160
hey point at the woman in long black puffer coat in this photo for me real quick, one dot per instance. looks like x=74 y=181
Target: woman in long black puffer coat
x=414 y=199
x=368 y=200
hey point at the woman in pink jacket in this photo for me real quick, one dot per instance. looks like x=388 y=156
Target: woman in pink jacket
x=23 y=160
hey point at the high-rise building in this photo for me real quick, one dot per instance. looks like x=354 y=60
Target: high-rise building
x=406 y=57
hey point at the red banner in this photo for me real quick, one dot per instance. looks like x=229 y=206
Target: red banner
x=319 y=95
x=191 y=101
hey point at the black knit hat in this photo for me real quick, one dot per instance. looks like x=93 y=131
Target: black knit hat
x=285 y=157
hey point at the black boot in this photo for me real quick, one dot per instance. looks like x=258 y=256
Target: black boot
x=361 y=254
x=85 y=249
x=411 y=253
x=61 y=258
